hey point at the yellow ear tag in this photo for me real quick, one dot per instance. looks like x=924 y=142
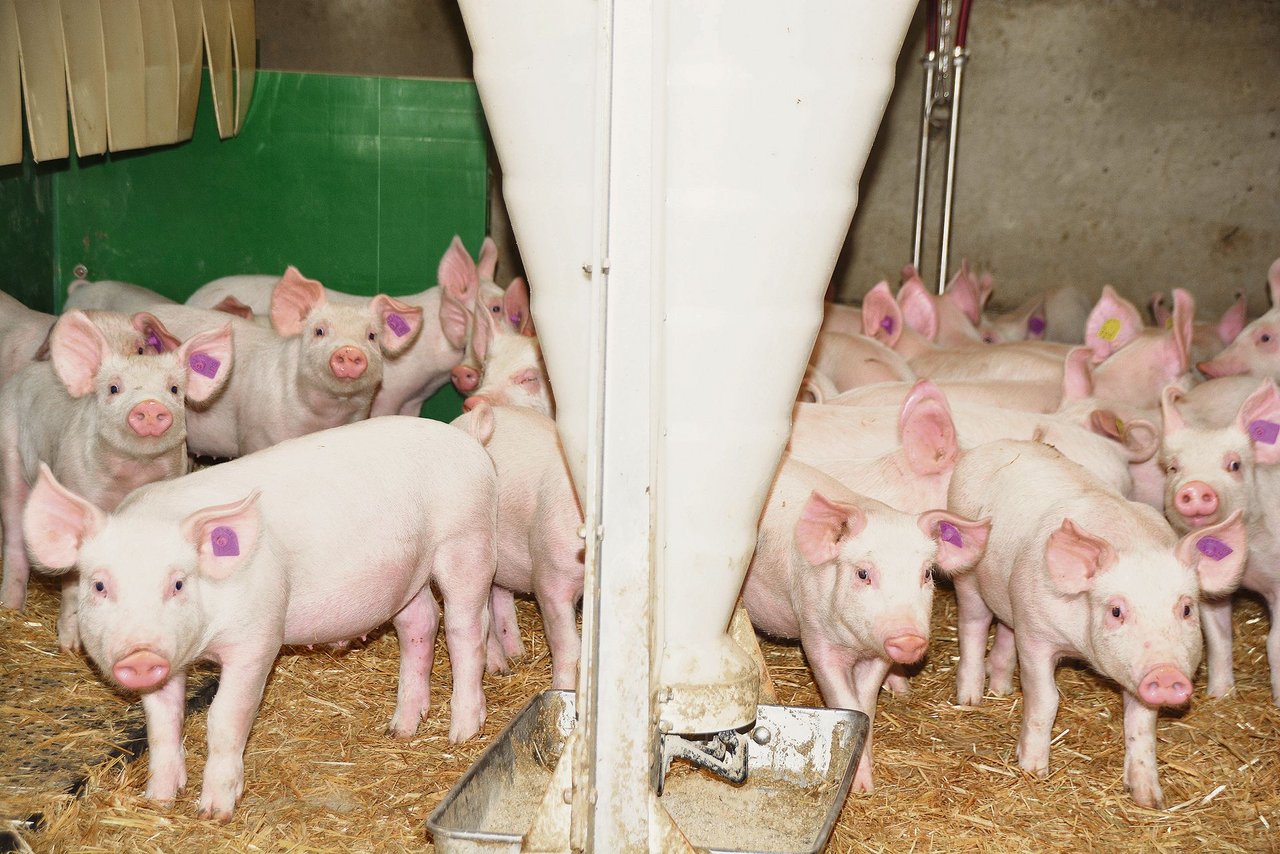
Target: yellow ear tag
x=1120 y=429
x=1109 y=330
x=1168 y=322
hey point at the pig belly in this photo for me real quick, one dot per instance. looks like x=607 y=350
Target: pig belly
x=350 y=607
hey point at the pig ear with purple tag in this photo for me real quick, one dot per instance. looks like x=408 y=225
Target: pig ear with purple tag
x=1217 y=553
x=918 y=309
x=515 y=307
x=1074 y=557
x=155 y=336
x=224 y=536
x=823 y=525
x=459 y=284
x=1234 y=319
x=926 y=430
x=77 y=348
x=293 y=298
x=1113 y=323
x=207 y=357
x=1259 y=418
x=961 y=542
x=56 y=522
x=881 y=316
x=400 y=323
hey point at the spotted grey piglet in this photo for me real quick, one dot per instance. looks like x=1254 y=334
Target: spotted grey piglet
x=1074 y=570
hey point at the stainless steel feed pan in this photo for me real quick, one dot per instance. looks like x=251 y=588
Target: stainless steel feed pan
x=795 y=786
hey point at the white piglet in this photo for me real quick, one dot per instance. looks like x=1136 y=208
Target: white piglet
x=317 y=540
x=1074 y=570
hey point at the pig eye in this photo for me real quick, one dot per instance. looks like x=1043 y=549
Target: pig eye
x=1233 y=465
x=495 y=309
x=141 y=350
x=863 y=575
x=372 y=337
x=173 y=389
x=930 y=572
x=177 y=586
x=99 y=587
x=1171 y=468
x=115 y=389
x=1264 y=338
x=1117 y=611
x=319 y=332
x=1186 y=610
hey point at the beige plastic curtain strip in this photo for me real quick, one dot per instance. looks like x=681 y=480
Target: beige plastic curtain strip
x=127 y=72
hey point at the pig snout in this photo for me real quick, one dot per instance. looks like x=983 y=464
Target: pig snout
x=1164 y=685
x=348 y=363
x=150 y=418
x=1220 y=367
x=465 y=378
x=906 y=648
x=141 y=670
x=1196 y=503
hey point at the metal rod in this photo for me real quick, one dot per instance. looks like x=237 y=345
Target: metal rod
x=948 y=199
x=922 y=169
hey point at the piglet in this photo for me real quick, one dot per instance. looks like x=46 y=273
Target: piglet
x=1208 y=338
x=853 y=580
x=109 y=295
x=317 y=540
x=1074 y=570
x=852 y=361
x=105 y=423
x=513 y=373
x=1256 y=349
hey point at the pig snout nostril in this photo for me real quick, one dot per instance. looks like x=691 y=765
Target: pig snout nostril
x=905 y=648
x=150 y=418
x=465 y=378
x=348 y=363
x=141 y=670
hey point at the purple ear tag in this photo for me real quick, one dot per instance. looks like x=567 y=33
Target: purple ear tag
x=224 y=541
x=398 y=325
x=1213 y=548
x=950 y=534
x=886 y=323
x=516 y=318
x=204 y=364
x=1264 y=431
x=1036 y=325
x=154 y=342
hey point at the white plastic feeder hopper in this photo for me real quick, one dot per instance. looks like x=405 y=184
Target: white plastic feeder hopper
x=680 y=179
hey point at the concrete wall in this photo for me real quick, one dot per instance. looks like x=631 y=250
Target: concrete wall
x=1130 y=142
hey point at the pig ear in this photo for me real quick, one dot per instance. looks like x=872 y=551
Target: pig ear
x=400 y=323
x=515 y=306
x=961 y=542
x=154 y=335
x=1113 y=323
x=460 y=283
x=482 y=333
x=927 y=433
x=907 y=273
x=295 y=296
x=1138 y=436
x=1077 y=374
x=1234 y=319
x=224 y=536
x=823 y=525
x=1217 y=554
x=77 y=348
x=963 y=294
x=1273 y=282
x=231 y=305
x=1184 y=316
x=207 y=357
x=881 y=316
x=918 y=309
x=1036 y=319
x=1074 y=557
x=480 y=421
x=1172 y=418
x=817 y=386
x=1158 y=308
x=488 y=260
x=56 y=522
x=1259 y=418
x=986 y=287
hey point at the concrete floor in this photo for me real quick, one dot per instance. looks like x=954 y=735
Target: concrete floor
x=1129 y=142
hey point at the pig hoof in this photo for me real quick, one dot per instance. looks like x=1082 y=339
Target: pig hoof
x=460 y=732
x=898 y=685
x=1220 y=691
x=1147 y=794
x=400 y=733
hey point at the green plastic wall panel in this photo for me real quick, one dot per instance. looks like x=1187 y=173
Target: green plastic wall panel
x=26 y=233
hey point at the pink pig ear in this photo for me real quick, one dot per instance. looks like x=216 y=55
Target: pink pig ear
x=1139 y=437
x=155 y=336
x=926 y=430
x=1113 y=323
x=233 y=306
x=907 y=273
x=1217 y=553
x=881 y=316
x=460 y=283
x=961 y=542
x=1158 y=308
x=1273 y=282
x=963 y=294
x=823 y=525
x=1259 y=418
x=986 y=287
x=488 y=260
x=515 y=306
x=207 y=357
x=294 y=297
x=1170 y=396
x=918 y=309
x=77 y=348
x=480 y=421
x=56 y=522
x=400 y=323
x=224 y=536
x=1074 y=557
x=1234 y=319
x=1077 y=374
x=1184 y=317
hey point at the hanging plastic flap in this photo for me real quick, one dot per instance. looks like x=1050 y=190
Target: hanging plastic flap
x=217 y=46
x=126 y=76
x=244 y=39
x=44 y=82
x=188 y=23
x=86 y=74
x=10 y=87
x=160 y=57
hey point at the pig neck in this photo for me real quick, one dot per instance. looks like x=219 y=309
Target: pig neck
x=1262 y=521
x=113 y=473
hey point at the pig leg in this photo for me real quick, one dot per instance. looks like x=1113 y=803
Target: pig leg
x=464 y=569
x=975 y=624
x=1215 y=619
x=504 y=627
x=1039 y=705
x=235 y=706
x=1273 y=641
x=557 y=589
x=1140 y=776
x=69 y=613
x=848 y=683
x=164 y=708
x=898 y=682
x=416 y=626
x=1001 y=661
x=13 y=497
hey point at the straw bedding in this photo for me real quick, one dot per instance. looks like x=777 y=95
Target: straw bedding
x=321 y=776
